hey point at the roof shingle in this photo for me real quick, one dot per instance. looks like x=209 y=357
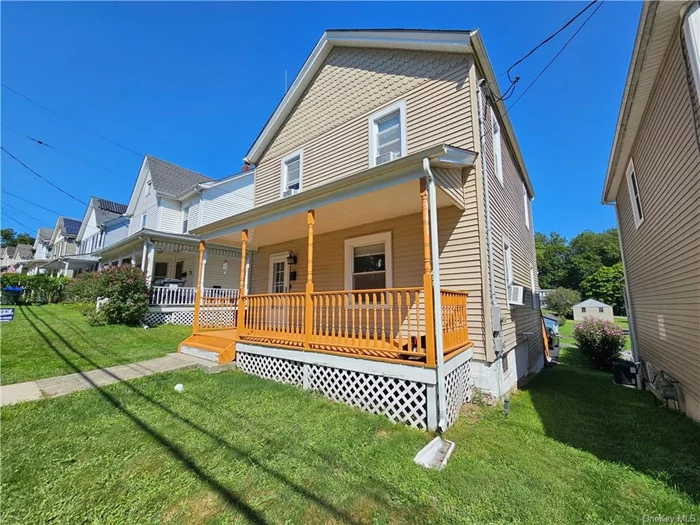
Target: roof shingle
x=171 y=180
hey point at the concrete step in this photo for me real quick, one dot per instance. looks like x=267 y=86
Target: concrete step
x=207 y=354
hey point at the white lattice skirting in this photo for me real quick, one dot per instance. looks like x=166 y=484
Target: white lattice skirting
x=400 y=392
x=183 y=317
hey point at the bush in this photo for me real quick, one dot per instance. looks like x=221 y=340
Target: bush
x=560 y=300
x=601 y=341
x=124 y=286
x=38 y=288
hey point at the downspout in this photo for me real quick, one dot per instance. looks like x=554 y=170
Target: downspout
x=437 y=299
x=496 y=335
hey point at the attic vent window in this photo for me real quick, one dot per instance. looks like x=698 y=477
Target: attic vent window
x=292 y=170
x=148 y=187
x=388 y=134
x=633 y=188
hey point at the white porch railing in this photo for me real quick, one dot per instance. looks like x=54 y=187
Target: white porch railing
x=184 y=296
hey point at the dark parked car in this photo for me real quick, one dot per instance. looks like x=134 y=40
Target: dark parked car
x=551 y=324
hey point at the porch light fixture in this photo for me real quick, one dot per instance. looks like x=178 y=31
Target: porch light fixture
x=291 y=258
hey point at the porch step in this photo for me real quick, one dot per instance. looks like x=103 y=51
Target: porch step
x=217 y=349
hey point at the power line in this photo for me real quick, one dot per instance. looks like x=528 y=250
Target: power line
x=16 y=221
x=39 y=221
x=43 y=178
x=30 y=202
x=556 y=56
x=74 y=122
x=550 y=37
x=42 y=143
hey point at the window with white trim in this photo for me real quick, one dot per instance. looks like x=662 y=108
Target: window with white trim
x=497 y=154
x=368 y=262
x=532 y=287
x=147 y=189
x=387 y=134
x=508 y=264
x=143 y=221
x=292 y=168
x=526 y=207
x=185 y=218
x=635 y=198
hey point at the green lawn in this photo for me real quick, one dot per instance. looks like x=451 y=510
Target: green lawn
x=52 y=340
x=234 y=448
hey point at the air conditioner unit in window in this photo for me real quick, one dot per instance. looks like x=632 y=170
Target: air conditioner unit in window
x=387 y=157
x=289 y=192
x=516 y=295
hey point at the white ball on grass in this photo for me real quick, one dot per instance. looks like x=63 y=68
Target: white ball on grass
x=179 y=388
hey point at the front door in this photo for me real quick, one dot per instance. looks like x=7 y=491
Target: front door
x=279 y=273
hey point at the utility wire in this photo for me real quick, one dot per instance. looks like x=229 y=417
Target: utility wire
x=4 y=204
x=30 y=202
x=550 y=37
x=74 y=122
x=42 y=143
x=556 y=56
x=15 y=220
x=43 y=178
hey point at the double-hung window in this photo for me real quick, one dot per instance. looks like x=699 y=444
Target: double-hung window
x=185 y=217
x=497 y=154
x=387 y=134
x=526 y=207
x=292 y=169
x=633 y=188
x=532 y=287
x=368 y=262
x=143 y=221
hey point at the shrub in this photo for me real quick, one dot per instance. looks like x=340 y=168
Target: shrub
x=124 y=286
x=560 y=300
x=37 y=288
x=601 y=341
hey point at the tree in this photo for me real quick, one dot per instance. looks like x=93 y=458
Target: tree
x=11 y=238
x=606 y=285
x=590 y=251
x=560 y=300
x=552 y=252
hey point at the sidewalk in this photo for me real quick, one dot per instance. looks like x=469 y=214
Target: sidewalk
x=61 y=385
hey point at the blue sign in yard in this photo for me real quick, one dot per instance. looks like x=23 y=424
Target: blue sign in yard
x=7 y=314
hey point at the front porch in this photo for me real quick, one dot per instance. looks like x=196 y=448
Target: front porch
x=392 y=341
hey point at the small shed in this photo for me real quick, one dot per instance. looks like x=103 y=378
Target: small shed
x=592 y=308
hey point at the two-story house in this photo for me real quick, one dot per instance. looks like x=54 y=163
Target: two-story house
x=153 y=232
x=62 y=247
x=14 y=259
x=42 y=251
x=653 y=179
x=393 y=262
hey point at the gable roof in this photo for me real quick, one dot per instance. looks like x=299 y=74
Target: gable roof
x=104 y=210
x=657 y=25
x=448 y=41
x=44 y=234
x=172 y=180
x=67 y=227
x=591 y=302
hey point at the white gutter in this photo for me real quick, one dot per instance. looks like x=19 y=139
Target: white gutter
x=437 y=301
x=496 y=336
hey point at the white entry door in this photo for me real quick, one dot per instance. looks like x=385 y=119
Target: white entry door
x=279 y=273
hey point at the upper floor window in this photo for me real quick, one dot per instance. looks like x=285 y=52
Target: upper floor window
x=601 y=309
x=497 y=155
x=143 y=221
x=185 y=217
x=532 y=287
x=583 y=309
x=147 y=188
x=633 y=188
x=292 y=170
x=387 y=134
x=526 y=207
x=508 y=264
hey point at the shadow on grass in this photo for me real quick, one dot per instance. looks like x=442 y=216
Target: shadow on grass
x=580 y=406
x=234 y=500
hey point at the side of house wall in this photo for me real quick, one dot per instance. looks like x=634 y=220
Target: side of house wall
x=146 y=204
x=170 y=216
x=662 y=255
x=226 y=199
x=521 y=325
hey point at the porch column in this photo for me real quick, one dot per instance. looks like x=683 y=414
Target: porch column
x=144 y=254
x=248 y=258
x=199 y=285
x=151 y=262
x=308 y=310
x=427 y=277
x=240 y=314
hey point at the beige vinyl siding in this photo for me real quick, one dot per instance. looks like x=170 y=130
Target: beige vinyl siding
x=334 y=137
x=451 y=182
x=662 y=256
x=508 y=222
x=459 y=258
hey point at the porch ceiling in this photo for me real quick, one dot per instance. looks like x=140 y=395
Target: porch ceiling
x=395 y=201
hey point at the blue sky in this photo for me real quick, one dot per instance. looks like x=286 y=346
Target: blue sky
x=193 y=83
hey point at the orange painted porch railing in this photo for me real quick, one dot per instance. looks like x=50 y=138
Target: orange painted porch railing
x=455 y=332
x=277 y=318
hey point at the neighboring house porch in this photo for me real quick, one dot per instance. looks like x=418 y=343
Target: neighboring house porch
x=346 y=295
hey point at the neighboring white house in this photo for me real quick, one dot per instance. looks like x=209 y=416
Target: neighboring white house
x=42 y=251
x=592 y=308
x=14 y=258
x=62 y=245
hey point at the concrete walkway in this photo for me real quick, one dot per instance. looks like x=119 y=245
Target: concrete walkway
x=61 y=385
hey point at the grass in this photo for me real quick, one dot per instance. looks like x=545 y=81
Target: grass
x=566 y=330
x=235 y=448
x=26 y=354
